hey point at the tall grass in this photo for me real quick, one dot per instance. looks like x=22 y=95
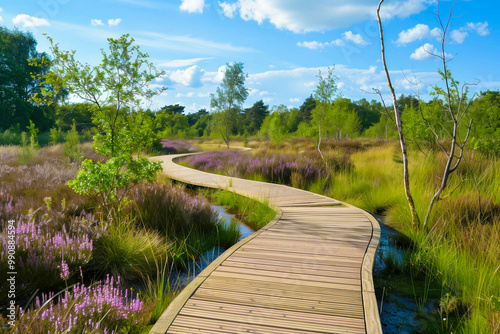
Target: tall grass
x=460 y=250
x=187 y=222
x=462 y=247
x=255 y=214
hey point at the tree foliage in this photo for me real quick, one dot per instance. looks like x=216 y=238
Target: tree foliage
x=22 y=72
x=115 y=89
x=254 y=116
x=324 y=94
x=228 y=99
x=72 y=148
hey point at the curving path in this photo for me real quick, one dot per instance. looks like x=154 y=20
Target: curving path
x=307 y=271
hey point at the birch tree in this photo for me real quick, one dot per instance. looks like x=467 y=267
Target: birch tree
x=455 y=108
x=229 y=98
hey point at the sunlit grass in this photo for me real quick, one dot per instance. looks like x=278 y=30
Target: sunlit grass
x=255 y=214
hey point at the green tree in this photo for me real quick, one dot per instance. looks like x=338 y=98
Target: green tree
x=292 y=120
x=306 y=108
x=456 y=103
x=80 y=113
x=200 y=128
x=352 y=125
x=407 y=101
x=193 y=118
x=55 y=135
x=324 y=94
x=22 y=70
x=485 y=111
x=71 y=147
x=368 y=113
x=33 y=135
x=228 y=99
x=168 y=118
x=277 y=125
x=255 y=115
x=115 y=87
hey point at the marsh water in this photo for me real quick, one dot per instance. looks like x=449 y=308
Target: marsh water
x=397 y=313
x=196 y=267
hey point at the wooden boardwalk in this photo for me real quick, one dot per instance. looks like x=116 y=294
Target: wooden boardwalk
x=308 y=271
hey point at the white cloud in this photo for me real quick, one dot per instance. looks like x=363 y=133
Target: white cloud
x=480 y=27
x=418 y=32
x=319 y=45
x=228 y=9
x=347 y=36
x=96 y=22
x=190 y=94
x=424 y=52
x=306 y=16
x=187 y=44
x=252 y=91
x=293 y=81
x=114 y=22
x=190 y=77
x=215 y=77
x=294 y=99
x=192 y=6
x=337 y=42
x=458 y=36
x=203 y=94
x=182 y=62
x=312 y=45
x=355 y=38
x=30 y=21
x=1 y=18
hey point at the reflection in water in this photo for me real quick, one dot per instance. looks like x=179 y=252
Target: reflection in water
x=196 y=267
x=227 y=217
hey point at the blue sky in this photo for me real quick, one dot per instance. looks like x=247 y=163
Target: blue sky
x=282 y=43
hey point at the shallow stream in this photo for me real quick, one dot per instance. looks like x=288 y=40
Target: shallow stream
x=397 y=313
x=196 y=267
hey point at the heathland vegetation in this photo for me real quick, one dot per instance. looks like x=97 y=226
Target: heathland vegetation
x=98 y=231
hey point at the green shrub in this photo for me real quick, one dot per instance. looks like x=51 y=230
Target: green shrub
x=72 y=148
x=10 y=137
x=55 y=136
x=27 y=151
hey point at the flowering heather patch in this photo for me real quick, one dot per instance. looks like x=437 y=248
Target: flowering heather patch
x=50 y=222
x=101 y=308
x=177 y=146
x=217 y=161
x=40 y=244
x=43 y=244
x=60 y=238
x=297 y=170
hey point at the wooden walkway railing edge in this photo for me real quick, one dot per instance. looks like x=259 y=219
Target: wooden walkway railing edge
x=372 y=316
